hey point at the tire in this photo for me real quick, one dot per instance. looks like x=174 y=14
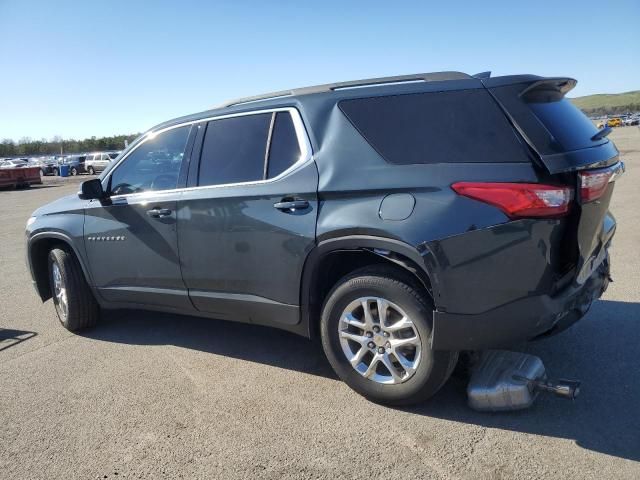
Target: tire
x=91 y=171
x=74 y=171
x=56 y=172
x=81 y=309
x=405 y=298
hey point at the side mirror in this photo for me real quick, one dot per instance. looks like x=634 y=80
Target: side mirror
x=92 y=189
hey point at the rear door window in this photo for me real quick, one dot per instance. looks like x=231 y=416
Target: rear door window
x=438 y=127
x=234 y=150
x=284 y=150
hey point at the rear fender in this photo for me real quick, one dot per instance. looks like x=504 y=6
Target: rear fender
x=394 y=251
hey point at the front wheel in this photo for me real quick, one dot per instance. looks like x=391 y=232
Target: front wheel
x=74 y=302
x=376 y=329
x=91 y=171
x=56 y=172
x=74 y=171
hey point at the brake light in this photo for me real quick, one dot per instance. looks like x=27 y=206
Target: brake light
x=593 y=183
x=519 y=200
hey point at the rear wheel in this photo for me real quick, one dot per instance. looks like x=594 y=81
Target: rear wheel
x=74 y=171
x=91 y=171
x=75 y=305
x=376 y=329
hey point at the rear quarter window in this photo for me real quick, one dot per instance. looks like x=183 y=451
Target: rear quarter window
x=463 y=126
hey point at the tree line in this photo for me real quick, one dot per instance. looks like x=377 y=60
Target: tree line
x=58 y=146
x=609 y=110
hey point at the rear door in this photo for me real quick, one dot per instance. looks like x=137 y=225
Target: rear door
x=131 y=238
x=248 y=223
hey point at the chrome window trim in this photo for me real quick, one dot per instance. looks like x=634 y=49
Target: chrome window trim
x=306 y=152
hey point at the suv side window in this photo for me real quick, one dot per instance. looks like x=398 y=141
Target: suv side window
x=284 y=150
x=234 y=150
x=154 y=165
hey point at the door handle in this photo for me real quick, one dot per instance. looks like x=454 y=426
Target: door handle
x=291 y=205
x=159 y=212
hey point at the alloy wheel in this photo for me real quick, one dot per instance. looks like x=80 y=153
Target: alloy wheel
x=379 y=340
x=59 y=290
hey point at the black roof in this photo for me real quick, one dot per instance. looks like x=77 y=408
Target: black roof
x=449 y=80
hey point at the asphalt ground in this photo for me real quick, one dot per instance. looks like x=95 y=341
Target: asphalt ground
x=147 y=395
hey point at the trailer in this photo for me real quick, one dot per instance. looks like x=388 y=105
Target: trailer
x=19 y=177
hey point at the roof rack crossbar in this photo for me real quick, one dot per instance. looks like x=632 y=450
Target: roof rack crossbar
x=426 y=77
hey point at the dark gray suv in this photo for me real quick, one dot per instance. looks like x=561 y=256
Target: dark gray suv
x=400 y=220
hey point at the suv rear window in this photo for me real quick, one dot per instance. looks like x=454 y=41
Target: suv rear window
x=440 y=127
x=569 y=126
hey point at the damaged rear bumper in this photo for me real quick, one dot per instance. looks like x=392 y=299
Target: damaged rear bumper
x=520 y=320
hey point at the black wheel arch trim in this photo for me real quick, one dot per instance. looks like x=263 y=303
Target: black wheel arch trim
x=392 y=250
x=64 y=238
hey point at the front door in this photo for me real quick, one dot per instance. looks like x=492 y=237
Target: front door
x=104 y=161
x=245 y=231
x=131 y=238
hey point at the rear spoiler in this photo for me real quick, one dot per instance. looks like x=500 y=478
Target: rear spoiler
x=549 y=89
x=532 y=84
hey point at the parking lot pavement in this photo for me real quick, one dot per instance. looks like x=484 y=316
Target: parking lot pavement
x=147 y=395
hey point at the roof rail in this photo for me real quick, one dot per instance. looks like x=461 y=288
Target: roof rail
x=369 y=82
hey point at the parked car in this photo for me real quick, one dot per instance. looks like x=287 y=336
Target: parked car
x=48 y=165
x=614 y=122
x=401 y=222
x=97 y=162
x=76 y=164
x=15 y=163
x=630 y=121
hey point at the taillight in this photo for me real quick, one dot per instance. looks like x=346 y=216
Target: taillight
x=519 y=200
x=593 y=183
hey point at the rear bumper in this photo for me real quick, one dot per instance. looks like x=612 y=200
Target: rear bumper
x=519 y=320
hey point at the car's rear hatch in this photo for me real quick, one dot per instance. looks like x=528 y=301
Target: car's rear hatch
x=568 y=146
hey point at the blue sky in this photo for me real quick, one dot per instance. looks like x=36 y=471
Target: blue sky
x=84 y=68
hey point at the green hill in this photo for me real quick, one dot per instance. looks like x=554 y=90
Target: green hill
x=609 y=103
